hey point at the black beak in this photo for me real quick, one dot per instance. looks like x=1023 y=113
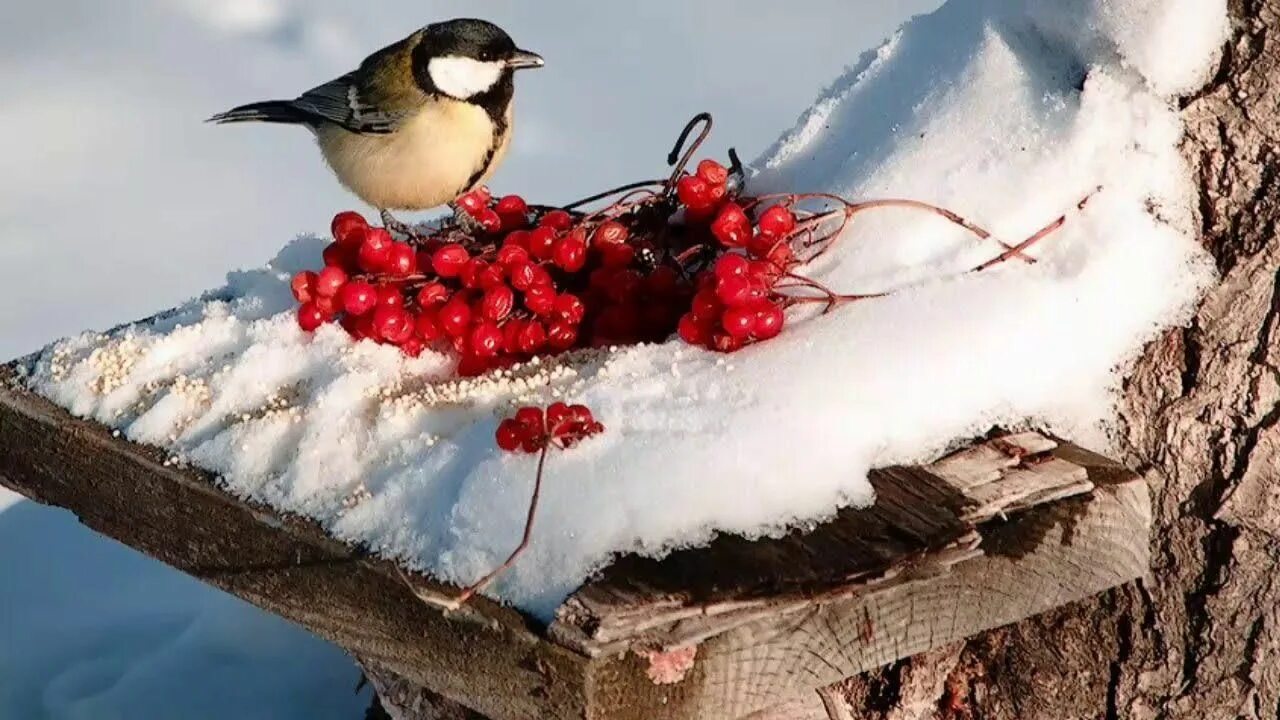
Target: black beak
x=521 y=59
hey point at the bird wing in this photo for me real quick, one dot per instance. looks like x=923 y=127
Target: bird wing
x=373 y=99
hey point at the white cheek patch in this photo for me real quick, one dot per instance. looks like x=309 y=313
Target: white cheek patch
x=462 y=77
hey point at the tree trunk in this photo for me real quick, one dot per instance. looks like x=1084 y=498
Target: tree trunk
x=1200 y=637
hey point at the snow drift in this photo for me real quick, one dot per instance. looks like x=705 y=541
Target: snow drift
x=1007 y=112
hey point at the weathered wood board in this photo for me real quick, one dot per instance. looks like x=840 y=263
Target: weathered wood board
x=1000 y=531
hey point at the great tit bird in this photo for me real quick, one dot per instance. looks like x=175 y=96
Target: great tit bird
x=420 y=122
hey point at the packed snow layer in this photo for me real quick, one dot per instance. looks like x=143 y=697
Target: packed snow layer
x=1007 y=112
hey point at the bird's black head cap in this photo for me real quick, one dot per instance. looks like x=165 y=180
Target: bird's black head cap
x=470 y=38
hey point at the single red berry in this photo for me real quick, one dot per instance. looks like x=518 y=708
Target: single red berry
x=725 y=343
x=777 y=222
x=570 y=308
x=427 y=326
x=310 y=316
x=497 y=303
x=449 y=260
x=363 y=327
x=375 y=250
x=706 y=306
x=541 y=276
x=717 y=194
x=393 y=324
x=731 y=226
x=328 y=305
x=558 y=417
x=471 y=272
x=769 y=320
x=694 y=191
x=343 y=256
x=763 y=272
x=510 y=435
x=523 y=276
x=610 y=232
x=486 y=339
x=518 y=238
x=713 y=172
x=489 y=220
x=432 y=294
x=303 y=286
x=740 y=322
x=558 y=220
x=358 y=297
x=474 y=201
x=455 y=317
x=569 y=253
x=511 y=205
x=531 y=419
x=390 y=295
x=692 y=330
x=731 y=265
x=511 y=335
x=533 y=337
x=617 y=256
x=412 y=347
x=734 y=291
x=348 y=228
x=402 y=261
x=562 y=335
x=510 y=255
x=540 y=299
x=329 y=281
x=542 y=242
x=470 y=365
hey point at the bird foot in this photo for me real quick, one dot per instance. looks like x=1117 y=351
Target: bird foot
x=400 y=228
x=465 y=222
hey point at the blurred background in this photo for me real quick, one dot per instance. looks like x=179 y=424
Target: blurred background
x=116 y=201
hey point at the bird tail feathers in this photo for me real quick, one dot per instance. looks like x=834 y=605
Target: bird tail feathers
x=272 y=111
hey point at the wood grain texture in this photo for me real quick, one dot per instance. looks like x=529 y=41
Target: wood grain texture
x=982 y=538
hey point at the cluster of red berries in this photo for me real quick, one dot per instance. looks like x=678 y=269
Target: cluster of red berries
x=531 y=429
x=535 y=281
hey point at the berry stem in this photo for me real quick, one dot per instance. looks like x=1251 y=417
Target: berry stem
x=614 y=191
x=524 y=540
x=681 y=160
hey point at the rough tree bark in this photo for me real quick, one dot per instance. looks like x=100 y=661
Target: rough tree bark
x=1200 y=637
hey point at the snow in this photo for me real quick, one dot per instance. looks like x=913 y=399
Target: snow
x=1008 y=112
x=108 y=214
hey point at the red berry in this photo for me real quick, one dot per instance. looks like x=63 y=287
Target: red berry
x=489 y=220
x=330 y=281
x=769 y=320
x=557 y=220
x=617 y=256
x=391 y=296
x=510 y=255
x=474 y=201
x=558 y=417
x=562 y=335
x=473 y=365
x=432 y=294
x=303 y=286
x=731 y=265
x=374 y=250
x=694 y=191
x=519 y=238
x=490 y=276
x=358 y=297
x=581 y=414
x=343 y=256
x=427 y=326
x=471 y=272
x=569 y=252
x=486 y=339
x=725 y=343
x=624 y=285
x=531 y=419
x=706 y=306
x=713 y=172
x=763 y=272
x=328 y=305
x=310 y=316
x=510 y=435
x=734 y=291
x=540 y=299
x=570 y=308
x=497 y=303
x=455 y=317
x=523 y=276
x=777 y=222
x=610 y=232
x=731 y=226
x=533 y=337
x=511 y=205
x=693 y=331
x=393 y=324
x=401 y=261
x=541 y=242
x=739 y=322
x=449 y=260
x=511 y=335
x=412 y=347
x=348 y=228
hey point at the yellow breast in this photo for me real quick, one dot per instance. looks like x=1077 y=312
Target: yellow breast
x=428 y=161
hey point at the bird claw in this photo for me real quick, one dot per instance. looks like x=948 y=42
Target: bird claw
x=465 y=221
x=396 y=226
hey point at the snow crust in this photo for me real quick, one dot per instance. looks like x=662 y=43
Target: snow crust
x=1007 y=112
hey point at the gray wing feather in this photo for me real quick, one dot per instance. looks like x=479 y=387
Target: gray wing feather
x=342 y=102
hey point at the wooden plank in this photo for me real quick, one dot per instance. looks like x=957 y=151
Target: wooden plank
x=979 y=539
